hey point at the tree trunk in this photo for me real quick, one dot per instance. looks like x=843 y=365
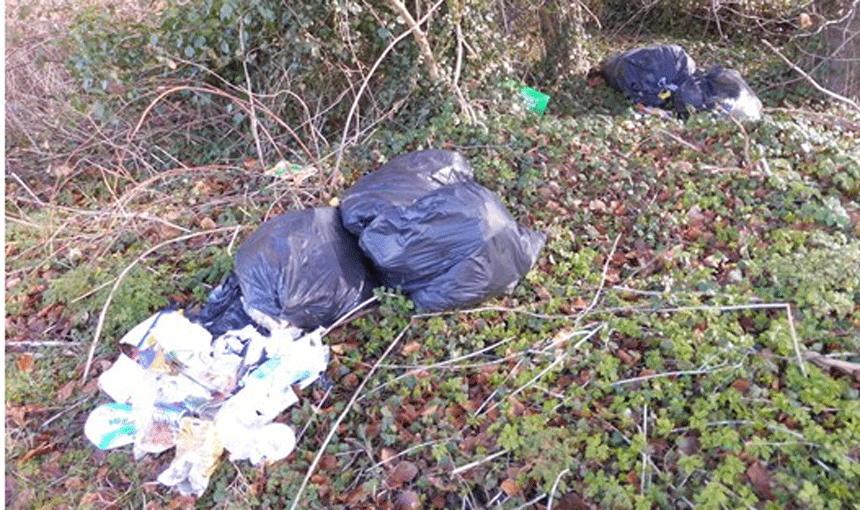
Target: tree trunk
x=840 y=71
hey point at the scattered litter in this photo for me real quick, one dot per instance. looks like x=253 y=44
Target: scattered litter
x=178 y=387
x=535 y=100
x=198 y=449
x=110 y=426
x=666 y=77
x=214 y=379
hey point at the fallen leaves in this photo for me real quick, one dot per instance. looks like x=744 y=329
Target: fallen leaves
x=510 y=487
x=407 y=500
x=402 y=474
x=760 y=479
x=66 y=390
x=24 y=363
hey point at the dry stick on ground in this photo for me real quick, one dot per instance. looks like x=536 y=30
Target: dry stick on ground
x=852 y=369
x=346 y=410
x=119 y=278
x=811 y=81
x=476 y=463
x=555 y=487
x=366 y=81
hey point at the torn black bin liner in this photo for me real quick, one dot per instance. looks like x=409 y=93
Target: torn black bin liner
x=303 y=268
x=445 y=244
x=223 y=310
x=649 y=75
x=719 y=86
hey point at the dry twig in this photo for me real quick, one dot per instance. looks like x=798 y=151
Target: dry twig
x=810 y=79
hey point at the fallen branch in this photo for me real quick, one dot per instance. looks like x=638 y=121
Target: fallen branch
x=826 y=362
x=420 y=37
x=812 y=81
x=253 y=112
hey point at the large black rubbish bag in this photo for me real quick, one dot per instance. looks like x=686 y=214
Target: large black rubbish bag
x=719 y=86
x=649 y=75
x=401 y=181
x=445 y=245
x=223 y=310
x=303 y=268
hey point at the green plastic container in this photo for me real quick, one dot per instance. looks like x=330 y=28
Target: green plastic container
x=536 y=100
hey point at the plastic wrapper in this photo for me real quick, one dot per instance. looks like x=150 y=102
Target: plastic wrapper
x=198 y=449
x=302 y=269
x=111 y=426
x=444 y=243
x=176 y=389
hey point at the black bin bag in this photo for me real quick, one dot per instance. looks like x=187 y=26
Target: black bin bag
x=649 y=75
x=447 y=246
x=223 y=310
x=303 y=268
x=401 y=181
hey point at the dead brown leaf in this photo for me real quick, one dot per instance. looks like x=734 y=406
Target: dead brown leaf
x=24 y=363
x=407 y=500
x=741 y=385
x=410 y=348
x=328 y=462
x=510 y=487
x=42 y=449
x=66 y=390
x=760 y=480
x=403 y=473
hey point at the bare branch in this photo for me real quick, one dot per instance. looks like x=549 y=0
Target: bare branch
x=420 y=38
x=811 y=80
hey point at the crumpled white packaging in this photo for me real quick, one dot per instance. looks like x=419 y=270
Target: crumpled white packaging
x=180 y=338
x=158 y=405
x=110 y=426
x=243 y=421
x=180 y=372
x=255 y=443
x=122 y=379
x=198 y=449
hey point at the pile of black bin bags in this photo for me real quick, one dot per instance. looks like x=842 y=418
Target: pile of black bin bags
x=666 y=77
x=419 y=223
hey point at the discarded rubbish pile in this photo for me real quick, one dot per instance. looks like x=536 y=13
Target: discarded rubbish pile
x=666 y=77
x=177 y=386
x=215 y=379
